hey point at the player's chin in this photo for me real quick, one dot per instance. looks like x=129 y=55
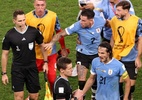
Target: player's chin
x=101 y=60
x=82 y=25
x=70 y=74
x=117 y=16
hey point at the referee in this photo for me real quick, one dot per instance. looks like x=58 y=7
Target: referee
x=21 y=39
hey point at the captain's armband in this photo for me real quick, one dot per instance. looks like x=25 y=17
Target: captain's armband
x=125 y=75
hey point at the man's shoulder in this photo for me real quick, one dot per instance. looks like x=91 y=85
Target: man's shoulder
x=97 y=59
x=29 y=13
x=52 y=12
x=33 y=29
x=134 y=16
x=10 y=31
x=116 y=62
x=100 y=20
x=61 y=81
x=114 y=17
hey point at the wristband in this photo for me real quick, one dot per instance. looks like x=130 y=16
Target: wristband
x=45 y=61
x=3 y=73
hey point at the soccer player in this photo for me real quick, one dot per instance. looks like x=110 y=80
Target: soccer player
x=88 y=30
x=22 y=40
x=109 y=11
x=127 y=40
x=62 y=89
x=90 y=4
x=108 y=71
x=47 y=22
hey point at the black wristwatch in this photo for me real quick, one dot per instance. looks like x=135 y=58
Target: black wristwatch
x=3 y=73
x=45 y=61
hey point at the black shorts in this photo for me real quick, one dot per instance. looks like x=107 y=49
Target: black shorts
x=85 y=60
x=25 y=74
x=131 y=69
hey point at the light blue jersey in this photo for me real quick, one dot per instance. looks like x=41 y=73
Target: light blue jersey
x=109 y=12
x=90 y=38
x=108 y=76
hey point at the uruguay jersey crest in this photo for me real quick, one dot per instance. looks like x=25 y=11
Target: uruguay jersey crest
x=98 y=30
x=110 y=71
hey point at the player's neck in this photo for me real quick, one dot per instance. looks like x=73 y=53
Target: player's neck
x=21 y=28
x=39 y=15
x=127 y=16
x=64 y=76
x=91 y=24
x=107 y=60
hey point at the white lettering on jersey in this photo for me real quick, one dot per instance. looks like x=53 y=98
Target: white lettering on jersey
x=61 y=89
x=31 y=45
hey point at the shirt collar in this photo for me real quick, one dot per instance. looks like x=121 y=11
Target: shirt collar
x=46 y=11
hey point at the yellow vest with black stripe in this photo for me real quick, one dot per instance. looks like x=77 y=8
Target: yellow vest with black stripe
x=123 y=33
x=46 y=25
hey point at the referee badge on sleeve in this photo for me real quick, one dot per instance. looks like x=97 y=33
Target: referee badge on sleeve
x=61 y=89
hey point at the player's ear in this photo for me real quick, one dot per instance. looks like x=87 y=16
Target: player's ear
x=91 y=21
x=61 y=70
x=13 y=21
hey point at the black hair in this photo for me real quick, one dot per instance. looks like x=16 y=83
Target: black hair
x=63 y=62
x=17 y=12
x=88 y=13
x=124 y=4
x=108 y=47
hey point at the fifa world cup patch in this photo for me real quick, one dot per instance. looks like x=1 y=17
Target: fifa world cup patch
x=61 y=89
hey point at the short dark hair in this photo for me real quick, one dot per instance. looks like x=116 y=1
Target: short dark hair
x=124 y=4
x=62 y=63
x=17 y=12
x=88 y=13
x=108 y=47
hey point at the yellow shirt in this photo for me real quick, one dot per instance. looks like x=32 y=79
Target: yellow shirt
x=46 y=25
x=123 y=33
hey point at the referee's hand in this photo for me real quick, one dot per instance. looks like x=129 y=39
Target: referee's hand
x=5 y=79
x=45 y=68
